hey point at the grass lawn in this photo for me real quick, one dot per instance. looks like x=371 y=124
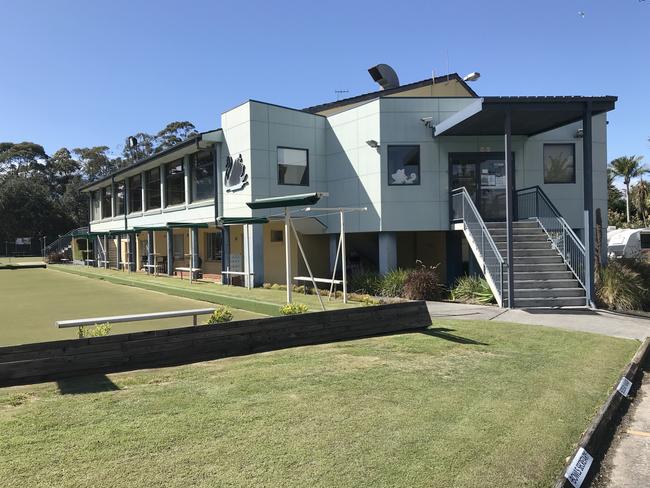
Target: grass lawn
x=32 y=299
x=468 y=404
x=258 y=300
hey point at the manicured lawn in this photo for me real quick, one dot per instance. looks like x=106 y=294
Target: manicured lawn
x=258 y=300
x=32 y=299
x=468 y=404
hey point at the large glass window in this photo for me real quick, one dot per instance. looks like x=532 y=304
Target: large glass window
x=293 y=166
x=120 y=194
x=152 y=190
x=107 y=204
x=175 y=183
x=135 y=193
x=559 y=163
x=202 y=171
x=403 y=165
x=96 y=203
x=213 y=246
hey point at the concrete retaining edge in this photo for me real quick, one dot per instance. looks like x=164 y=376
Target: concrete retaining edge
x=595 y=440
x=50 y=361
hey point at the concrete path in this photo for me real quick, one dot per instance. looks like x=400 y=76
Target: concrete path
x=597 y=321
x=627 y=463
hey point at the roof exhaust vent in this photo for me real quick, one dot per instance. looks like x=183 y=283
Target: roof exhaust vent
x=385 y=76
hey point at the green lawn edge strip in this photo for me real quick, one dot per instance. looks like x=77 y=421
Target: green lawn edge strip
x=597 y=437
x=254 y=306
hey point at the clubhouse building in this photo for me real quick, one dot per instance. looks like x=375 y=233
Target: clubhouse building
x=445 y=177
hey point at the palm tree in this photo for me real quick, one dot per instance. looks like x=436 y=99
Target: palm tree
x=628 y=167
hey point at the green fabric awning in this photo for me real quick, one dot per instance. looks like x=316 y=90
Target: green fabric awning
x=288 y=201
x=187 y=225
x=242 y=220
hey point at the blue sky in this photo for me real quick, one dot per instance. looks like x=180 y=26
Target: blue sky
x=85 y=73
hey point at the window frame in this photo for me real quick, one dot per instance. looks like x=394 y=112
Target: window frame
x=217 y=245
x=96 y=205
x=139 y=193
x=388 y=170
x=107 y=191
x=275 y=232
x=277 y=163
x=120 y=184
x=147 y=195
x=177 y=162
x=179 y=255
x=573 y=147
x=193 y=163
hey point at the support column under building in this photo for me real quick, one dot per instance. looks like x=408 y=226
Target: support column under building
x=150 y=256
x=118 y=254
x=588 y=201
x=387 y=251
x=225 y=254
x=195 y=248
x=254 y=252
x=170 y=252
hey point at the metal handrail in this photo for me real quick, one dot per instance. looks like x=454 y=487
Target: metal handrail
x=63 y=240
x=464 y=210
x=534 y=204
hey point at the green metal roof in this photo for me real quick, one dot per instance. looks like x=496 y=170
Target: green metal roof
x=242 y=220
x=187 y=225
x=288 y=201
x=153 y=227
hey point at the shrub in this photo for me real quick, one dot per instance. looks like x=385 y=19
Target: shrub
x=471 y=289
x=99 y=330
x=220 y=315
x=392 y=283
x=621 y=287
x=293 y=309
x=366 y=282
x=422 y=283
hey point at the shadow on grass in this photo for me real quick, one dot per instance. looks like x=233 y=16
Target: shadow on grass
x=443 y=333
x=86 y=384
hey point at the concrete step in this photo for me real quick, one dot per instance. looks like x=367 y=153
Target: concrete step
x=521 y=253
x=549 y=292
x=549 y=302
x=543 y=274
x=525 y=244
x=517 y=233
x=520 y=224
x=550 y=283
x=538 y=267
x=552 y=259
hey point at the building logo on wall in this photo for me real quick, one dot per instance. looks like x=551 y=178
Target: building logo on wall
x=236 y=177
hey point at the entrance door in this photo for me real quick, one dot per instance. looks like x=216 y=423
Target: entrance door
x=483 y=174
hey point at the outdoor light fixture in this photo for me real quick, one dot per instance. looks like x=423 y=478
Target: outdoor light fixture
x=427 y=121
x=473 y=76
x=373 y=144
x=579 y=134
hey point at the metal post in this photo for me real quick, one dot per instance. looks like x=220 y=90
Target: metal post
x=588 y=202
x=304 y=258
x=344 y=260
x=287 y=251
x=509 y=207
x=151 y=239
x=118 y=254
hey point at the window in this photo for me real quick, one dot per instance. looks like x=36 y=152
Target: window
x=135 y=193
x=293 y=166
x=120 y=190
x=175 y=183
x=403 y=165
x=645 y=241
x=96 y=199
x=559 y=163
x=213 y=246
x=202 y=171
x=277 y=236
x=152 y=180
x=179 y=246
x=107 y=205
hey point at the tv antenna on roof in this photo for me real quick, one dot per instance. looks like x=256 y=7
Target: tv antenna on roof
x=339 y=93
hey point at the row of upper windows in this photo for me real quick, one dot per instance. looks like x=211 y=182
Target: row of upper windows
x=201 y=187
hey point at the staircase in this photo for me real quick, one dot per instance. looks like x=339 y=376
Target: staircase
x=542 y=279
